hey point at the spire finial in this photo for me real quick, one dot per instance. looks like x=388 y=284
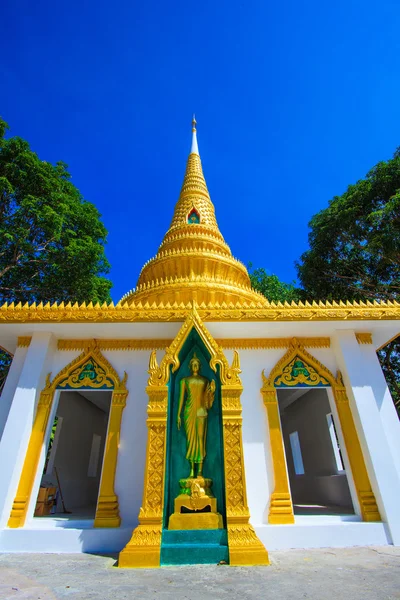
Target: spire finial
x=195 y=148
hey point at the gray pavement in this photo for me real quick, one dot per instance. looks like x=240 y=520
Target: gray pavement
x=370 y=573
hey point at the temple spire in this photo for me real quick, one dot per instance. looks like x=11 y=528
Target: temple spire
x=195 y=148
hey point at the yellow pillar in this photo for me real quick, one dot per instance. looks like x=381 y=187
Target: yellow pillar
x=144 y=548
x=366 y=498
x=107 y=510
x=21 y=500
x=244 y=546
x=281 y=507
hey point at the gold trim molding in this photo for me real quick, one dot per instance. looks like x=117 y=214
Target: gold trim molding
x=272 y=343
x=144 y=312
x=162 y=344
x=24 y=341
x=364 y=338
x=115 y=344
x=107 y=509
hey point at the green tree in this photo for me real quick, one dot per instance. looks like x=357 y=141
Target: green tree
x=272 y=287
x=354 y=251
x=5 y=362
x=51 y=239
x=355 y=242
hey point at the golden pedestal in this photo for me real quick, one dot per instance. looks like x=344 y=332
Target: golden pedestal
x=196 y=506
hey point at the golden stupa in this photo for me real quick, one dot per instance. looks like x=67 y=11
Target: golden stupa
x=194 y=263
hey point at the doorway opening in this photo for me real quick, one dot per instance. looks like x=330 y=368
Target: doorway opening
x=70 y=481
x=317 y=476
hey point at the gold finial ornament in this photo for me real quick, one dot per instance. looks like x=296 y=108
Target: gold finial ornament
x=194 y=263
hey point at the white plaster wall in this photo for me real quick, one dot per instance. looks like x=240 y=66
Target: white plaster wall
x=377 y=452
x=11 y=385
x=133 y=440
x=384 y=401
x=16 y=434
x=256 y=444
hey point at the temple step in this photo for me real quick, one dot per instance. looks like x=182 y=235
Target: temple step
x=199 y=546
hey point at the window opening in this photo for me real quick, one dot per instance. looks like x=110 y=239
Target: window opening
x=193 y=217
x=335 y=442
x=296 y=453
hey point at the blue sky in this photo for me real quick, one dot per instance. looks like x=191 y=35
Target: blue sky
x=294 y=101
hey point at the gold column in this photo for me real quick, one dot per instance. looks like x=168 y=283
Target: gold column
x=244 y=546
x=107 y=510
x=281 y=507
x=22 y=497
x=144 y=548
x=366 y=497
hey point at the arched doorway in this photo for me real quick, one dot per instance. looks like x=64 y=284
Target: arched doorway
x=299 y=370
x=88 y=372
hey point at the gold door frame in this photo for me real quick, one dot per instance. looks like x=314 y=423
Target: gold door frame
x=107 y=509
x=281 y=506
x=144 y=548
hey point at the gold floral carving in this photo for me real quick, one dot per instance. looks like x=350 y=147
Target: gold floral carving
x=364 y=338
x=217 y=311
x=107 y=511
x=144 y=548
x=281 y=510
x=24 y=341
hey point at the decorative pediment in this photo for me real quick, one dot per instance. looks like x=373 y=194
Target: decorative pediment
x=298 y=373
x=159 y=374
x=298 y=368
x=90 y=370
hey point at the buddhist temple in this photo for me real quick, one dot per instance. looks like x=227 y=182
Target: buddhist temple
x=195 y=422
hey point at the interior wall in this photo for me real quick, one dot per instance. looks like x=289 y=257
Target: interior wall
x=80 y=420
x=321 y=482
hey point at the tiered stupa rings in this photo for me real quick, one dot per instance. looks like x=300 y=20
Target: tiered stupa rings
x=194 y=263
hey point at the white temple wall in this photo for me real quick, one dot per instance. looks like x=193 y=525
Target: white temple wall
x=10 y=385
x=384 y=401
x=133 y=440
x=16 y=434
x=357 y=373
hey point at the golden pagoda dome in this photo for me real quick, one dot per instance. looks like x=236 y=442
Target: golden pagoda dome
x=194 y=263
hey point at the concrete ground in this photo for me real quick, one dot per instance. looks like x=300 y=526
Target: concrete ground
x=371 y=573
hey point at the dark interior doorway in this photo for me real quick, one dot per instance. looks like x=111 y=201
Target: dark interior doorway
x=317 y=474
x=71 y=477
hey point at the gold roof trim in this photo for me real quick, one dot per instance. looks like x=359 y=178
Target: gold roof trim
x=167 y=311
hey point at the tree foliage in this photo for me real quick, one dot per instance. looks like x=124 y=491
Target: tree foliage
x=354 y=251
x=51 y=239
x=272 y=287
x=354 y=243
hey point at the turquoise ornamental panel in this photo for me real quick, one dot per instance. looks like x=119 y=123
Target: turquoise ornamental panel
x=193 y=546
x=90 y=375
x=299 y=373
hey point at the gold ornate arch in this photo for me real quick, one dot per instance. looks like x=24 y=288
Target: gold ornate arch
x=312 y=373
x=144 y=548
x=90 y=370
